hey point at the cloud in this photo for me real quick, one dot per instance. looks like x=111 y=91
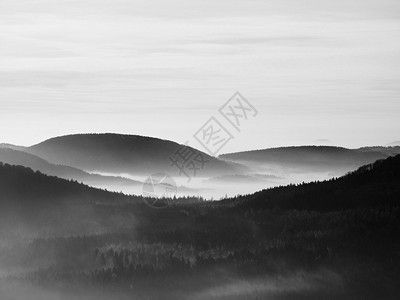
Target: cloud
x=301 y=62
x=299 y=284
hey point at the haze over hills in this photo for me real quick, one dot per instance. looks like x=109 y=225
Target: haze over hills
x=388 y=151
x=51 y=201
x=303 y=159
x=371 y=186
x=341 y=236
x=11 y=146
x=15 y=157
x=122 y=161
x=128 y=154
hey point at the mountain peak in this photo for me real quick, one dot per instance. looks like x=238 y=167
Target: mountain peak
x=119 y=153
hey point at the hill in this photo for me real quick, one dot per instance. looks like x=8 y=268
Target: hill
x=21 y=184
x=370 y=186
x=117 y=153
x=15 y=157
x=388 y=151
x=308 y=158
x=32 y=202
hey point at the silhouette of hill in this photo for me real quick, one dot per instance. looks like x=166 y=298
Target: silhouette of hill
x=21 y=185
x=309 y=158
x=33 y=203
x=388 y=151
x=370 y=186
x=15 y=157
x=117 y=153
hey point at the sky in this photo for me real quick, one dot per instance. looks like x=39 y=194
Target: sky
x=317 y=71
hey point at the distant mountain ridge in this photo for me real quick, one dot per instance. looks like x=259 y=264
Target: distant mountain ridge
x=137 y=157
x=117 y=153
x=311 y=158
x=389 y=150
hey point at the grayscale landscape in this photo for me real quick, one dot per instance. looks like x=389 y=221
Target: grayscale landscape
x=199 y=150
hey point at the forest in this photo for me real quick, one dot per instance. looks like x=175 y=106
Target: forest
x=337 y=239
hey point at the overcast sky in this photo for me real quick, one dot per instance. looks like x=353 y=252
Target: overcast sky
x=318 y=71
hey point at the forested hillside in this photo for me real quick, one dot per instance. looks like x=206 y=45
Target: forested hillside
x=371 y=186
x=312 y=241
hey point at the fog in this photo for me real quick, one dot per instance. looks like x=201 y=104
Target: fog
x=227 y=185
x=300 y=285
